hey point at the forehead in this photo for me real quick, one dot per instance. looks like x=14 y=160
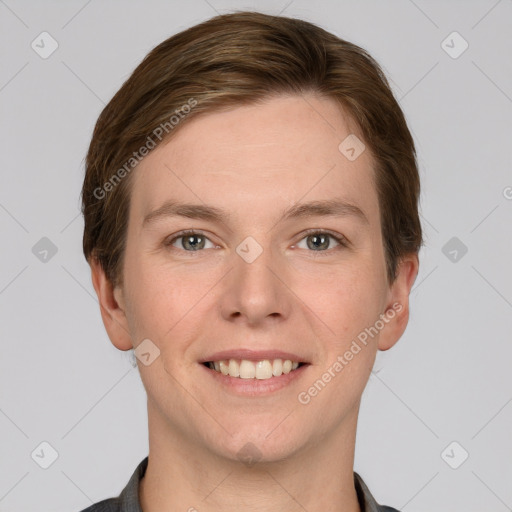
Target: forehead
x=259 y=158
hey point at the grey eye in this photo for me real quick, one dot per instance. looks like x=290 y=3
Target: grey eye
x=191 y=242
x=318 y=241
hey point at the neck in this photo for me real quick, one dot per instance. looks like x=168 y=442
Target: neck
x=182 y=475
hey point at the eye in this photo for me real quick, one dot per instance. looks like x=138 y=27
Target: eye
x=317 y=241
x=320 y=241
x=189 y=241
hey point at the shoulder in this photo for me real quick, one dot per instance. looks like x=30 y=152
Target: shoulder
x=366 y=500
x=109 y=505
x=128 y=500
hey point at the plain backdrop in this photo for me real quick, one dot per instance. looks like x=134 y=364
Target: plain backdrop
x=436 y=417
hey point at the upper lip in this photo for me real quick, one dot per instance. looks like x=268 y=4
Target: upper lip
x=253 y=355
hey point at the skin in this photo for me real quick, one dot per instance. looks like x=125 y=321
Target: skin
x=254 y=162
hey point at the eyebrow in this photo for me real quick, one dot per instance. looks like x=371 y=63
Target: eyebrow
x=322 y=208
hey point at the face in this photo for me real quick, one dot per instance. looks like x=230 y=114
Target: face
x=252 y=241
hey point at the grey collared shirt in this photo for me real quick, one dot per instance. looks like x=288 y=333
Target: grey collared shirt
x=128 y=500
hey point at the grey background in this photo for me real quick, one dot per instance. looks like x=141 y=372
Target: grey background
x=448 y=379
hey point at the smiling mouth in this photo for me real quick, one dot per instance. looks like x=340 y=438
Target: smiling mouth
x=261 y=370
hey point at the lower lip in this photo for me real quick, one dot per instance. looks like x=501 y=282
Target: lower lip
x=255 y=387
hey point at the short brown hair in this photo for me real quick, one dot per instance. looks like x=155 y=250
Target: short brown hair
x=238 y=59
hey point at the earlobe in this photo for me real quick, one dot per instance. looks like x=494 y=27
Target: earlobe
x=112 y=307
x=397 y=308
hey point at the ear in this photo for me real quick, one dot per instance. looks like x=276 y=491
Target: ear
x=397 y=307
x=112 y=306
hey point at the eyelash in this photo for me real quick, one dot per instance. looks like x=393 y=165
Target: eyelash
x=340 y=239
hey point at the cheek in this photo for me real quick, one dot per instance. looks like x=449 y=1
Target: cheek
x=164 y=299
x=152 y=297
x=346 y=300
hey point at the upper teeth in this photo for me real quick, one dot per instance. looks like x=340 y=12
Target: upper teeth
x=245 y=369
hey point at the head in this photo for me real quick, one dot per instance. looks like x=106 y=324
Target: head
x=236 y=130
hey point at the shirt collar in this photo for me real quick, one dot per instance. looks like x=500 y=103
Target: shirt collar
x=366 y=500
x=129 y=497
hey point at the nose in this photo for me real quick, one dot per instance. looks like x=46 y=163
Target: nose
x=255 y=292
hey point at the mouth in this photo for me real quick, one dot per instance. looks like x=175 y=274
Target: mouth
x=250 y=373
x=262 y=369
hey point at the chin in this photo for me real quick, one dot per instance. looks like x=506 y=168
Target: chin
x=259 y=443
